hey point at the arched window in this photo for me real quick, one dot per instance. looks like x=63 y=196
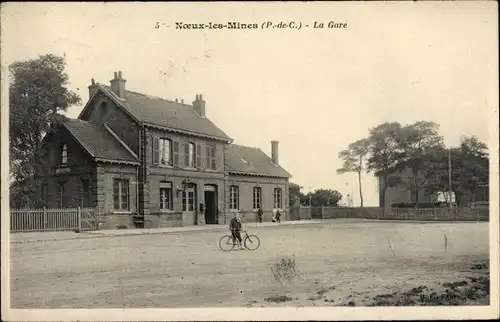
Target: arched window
x=64 y=154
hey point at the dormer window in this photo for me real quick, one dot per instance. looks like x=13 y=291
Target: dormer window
x=64 y=154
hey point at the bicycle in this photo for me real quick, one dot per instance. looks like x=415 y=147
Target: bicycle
x=251 y=242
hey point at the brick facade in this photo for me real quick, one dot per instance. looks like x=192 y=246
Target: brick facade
x=110 y=218
x=79 y=167
x=105 y=111
x=267 y=185
x=207 y=190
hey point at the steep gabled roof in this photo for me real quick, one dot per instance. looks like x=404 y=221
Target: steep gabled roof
x=167 y=114
x=252 y=161
x=99 y=141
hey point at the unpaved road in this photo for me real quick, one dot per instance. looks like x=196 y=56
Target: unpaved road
x=338 y=262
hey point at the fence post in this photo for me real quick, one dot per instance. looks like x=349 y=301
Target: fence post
x=44 y=218
x=79 y=216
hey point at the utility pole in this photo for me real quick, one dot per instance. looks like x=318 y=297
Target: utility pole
x=310 y=196
x=449 y=176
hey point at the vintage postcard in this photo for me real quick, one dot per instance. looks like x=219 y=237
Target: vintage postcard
x=230 y=161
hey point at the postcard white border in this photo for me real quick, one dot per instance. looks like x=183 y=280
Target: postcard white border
x=232 y=314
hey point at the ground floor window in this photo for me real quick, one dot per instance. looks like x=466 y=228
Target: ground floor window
x=234 y=197
x=188 y=199
x=257 y=193
x=166 y=196
x=277 y=198
x=121 y=194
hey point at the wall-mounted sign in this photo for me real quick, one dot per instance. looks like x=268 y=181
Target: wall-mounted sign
x=63 y=170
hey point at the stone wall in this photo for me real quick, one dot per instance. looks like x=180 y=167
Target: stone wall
x=163 y=220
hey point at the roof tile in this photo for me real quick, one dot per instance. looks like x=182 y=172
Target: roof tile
x=98 y=141
x=164 y=113
x=248 y=160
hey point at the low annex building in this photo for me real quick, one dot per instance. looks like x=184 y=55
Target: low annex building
x=142 y=160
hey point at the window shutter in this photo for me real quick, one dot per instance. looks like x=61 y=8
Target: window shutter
x=199 y=157
x=206 y=163
x=176 y=153
x=186 y=154
x=213 y=158
x=169 y=151
x=156 y=150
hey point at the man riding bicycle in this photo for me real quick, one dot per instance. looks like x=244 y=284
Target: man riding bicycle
x=235 y=226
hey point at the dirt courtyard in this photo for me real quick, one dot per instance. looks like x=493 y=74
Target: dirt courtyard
x=339 y=262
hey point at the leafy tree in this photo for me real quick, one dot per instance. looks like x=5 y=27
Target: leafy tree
x=296 y=198
x=469 y=169
x=420 y=146
x=353 y=161
x=37 y=94
x=386 y=155
x=323 y=197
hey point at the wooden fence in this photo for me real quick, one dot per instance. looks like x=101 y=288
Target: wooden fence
x=67 y=219
x=430 y=214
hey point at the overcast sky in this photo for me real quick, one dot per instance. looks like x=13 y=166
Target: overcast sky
x=314 y=90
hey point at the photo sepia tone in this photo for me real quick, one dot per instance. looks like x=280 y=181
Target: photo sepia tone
x=216 y=156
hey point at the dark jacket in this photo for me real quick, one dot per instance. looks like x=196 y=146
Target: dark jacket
x=235 y=224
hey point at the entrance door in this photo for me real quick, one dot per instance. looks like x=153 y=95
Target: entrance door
x=210 y=204
x=189 y=204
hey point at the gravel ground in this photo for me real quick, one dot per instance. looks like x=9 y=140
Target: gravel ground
x=337 y=263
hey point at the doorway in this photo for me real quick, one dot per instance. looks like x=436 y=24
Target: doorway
x=189 y=205
x=211 y=204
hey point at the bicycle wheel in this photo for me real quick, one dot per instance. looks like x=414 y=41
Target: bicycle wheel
x=226 y=243
x=252 y=242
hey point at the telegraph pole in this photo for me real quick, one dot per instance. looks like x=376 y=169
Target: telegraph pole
x=449 y=176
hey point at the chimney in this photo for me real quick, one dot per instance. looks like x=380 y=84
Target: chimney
x=274 y=152
x=199 y=105
x=92 y=88
x=118 y=85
